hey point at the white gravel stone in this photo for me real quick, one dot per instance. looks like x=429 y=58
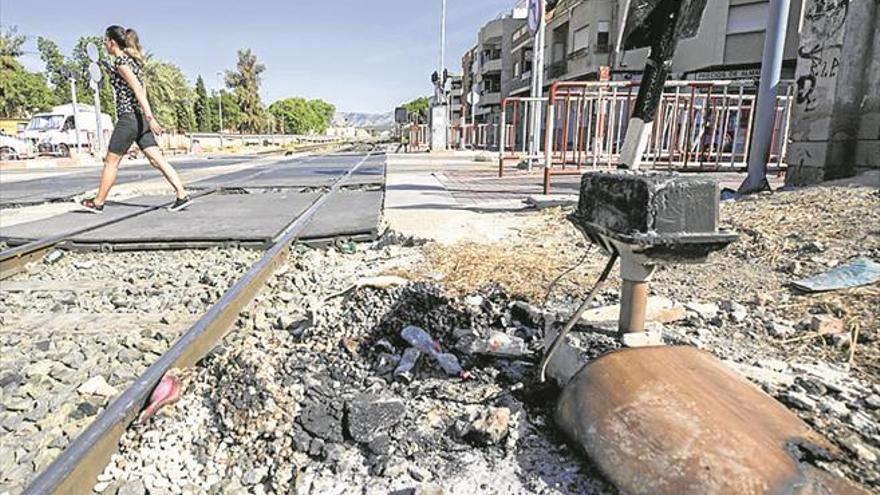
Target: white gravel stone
x=97 y=385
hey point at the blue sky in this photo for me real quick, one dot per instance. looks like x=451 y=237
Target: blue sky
x=364 y=56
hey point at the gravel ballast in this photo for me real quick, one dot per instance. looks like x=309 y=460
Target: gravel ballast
x=79 y=328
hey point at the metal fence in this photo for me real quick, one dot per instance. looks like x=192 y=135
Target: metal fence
x=700 y=125
x=214 y=140
x=517 y=114
x=473 y=136
x=419 y=136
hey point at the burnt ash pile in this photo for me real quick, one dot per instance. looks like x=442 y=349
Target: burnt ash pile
x=321 y=394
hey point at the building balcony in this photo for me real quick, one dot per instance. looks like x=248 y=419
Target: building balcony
x=491 y=66
x=557 y=70
x=520 y=83
x=521 y=40
x=489 y=99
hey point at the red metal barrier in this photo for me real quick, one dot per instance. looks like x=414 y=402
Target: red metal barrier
x=418 y=136
x=700 y=125
x=516 y=116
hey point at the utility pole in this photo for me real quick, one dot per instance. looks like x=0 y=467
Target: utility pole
x=537 y=90
x=442 y=65
x=220 y=106
x=439 y=111
x=75 y=112
x=98 y=126
x=771 y=67
x=95 y=77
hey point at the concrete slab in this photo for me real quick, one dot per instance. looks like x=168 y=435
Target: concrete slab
x=239 y=176
x=252 y=215
x=319 y=171
x=348 y=214
x=75 y=220
x=245 y=218
x=371 y=172
x=251 y=219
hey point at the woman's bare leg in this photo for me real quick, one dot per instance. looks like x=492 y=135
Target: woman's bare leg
x=108 y=177
x=157 y=159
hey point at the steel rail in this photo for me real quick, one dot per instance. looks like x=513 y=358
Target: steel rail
x=76 y=469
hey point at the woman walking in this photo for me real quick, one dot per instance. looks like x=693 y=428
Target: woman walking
x=135 y=121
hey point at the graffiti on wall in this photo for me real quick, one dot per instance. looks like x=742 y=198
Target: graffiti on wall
x=821 y=44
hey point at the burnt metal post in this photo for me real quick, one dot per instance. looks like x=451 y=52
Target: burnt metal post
x=657 y=24
x=663 y=27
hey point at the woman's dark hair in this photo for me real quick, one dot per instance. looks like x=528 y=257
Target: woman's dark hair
x=117 y=34
x=128 y=41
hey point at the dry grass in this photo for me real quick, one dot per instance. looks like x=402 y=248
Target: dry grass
x=525 y=266
x=788 y=236
x=816 y=227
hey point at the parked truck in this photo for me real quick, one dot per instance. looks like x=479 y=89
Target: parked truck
x=54 y=132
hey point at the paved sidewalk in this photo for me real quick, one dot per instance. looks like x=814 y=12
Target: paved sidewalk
x=458 y=196
x=421 y=202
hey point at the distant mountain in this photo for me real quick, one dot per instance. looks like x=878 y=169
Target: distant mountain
x=355 y=119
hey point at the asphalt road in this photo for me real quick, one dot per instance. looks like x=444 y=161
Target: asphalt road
x=68 y=185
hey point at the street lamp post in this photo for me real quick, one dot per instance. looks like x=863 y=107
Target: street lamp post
x=220 y=106
x=537 y=13
x=765 y=110
x=439 y=121
x=442 y=40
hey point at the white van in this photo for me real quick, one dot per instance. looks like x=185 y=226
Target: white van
x=54 y=132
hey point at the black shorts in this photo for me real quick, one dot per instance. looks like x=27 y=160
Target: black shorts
x=131 y=128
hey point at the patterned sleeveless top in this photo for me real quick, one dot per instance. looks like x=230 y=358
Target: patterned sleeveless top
x=126 y=102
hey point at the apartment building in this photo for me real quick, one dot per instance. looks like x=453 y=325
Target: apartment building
x=494 y=64
x=580 y=39
x=581 y=35
x=468 y=81
x=456 y=99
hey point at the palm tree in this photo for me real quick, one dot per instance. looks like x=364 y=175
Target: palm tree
x=167 y=89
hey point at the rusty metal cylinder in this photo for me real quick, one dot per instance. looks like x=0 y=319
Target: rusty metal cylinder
x=633 y=306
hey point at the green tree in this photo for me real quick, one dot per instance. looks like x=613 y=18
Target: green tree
x=201 y=107
x=59 y=69
x=21 y=91
x=11 y=47
x=186 y=118
x=80 y=60
x=324 y=112
x=291 y=115
x=298 y=116
x=245 y=84
x=232 y=113
x=418 y=108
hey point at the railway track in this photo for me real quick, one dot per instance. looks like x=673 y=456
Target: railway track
x=75 y=469
x=264 y=404
x=14 y=259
